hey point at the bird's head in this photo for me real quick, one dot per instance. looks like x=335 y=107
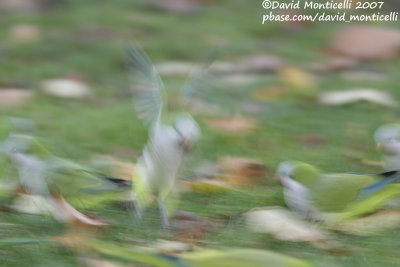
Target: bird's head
x=188 y=131
x=301 y=172
x=387 y=138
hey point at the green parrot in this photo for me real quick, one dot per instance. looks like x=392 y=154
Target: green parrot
x=25 y=152
x=171 y=137
x=45 y=176
x=233 y=257
x=387 y=138
x=334 y=197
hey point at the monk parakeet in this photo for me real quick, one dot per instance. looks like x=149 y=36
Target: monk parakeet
x=44 y=178
x=387 y=139
x=171 y=135
x=334 y=197
x=25 y=152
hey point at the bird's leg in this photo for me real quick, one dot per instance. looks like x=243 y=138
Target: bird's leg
x=163 y=212
x=134 y=207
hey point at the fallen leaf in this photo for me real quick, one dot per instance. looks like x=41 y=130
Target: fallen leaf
x=299 y=80
x=338 y=98
x=374 y=224
x=191 y=227
x=283 y=225
x=10 y=97
x=25 y=33
x=313 y=140
x=66 y=88
x=367 y=42
x=241 y=171
x=68 y=214
x=236 y=125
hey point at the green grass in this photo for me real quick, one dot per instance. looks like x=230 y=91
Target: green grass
x=79 y=129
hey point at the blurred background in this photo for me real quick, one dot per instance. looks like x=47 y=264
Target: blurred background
x=309 y=91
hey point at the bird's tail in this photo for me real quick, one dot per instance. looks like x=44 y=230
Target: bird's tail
x=370 y=204
x=389 y=178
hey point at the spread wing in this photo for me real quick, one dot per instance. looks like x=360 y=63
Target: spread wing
x=150 y=95
x=204 y=87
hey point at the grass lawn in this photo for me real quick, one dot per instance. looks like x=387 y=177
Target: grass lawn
x=78 y=129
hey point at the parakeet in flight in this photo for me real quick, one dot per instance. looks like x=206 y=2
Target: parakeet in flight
x=170 y=136
x=387 y=138
x=337 y=196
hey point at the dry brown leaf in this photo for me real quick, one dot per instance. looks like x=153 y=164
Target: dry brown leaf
x=236 y=125
x=10 y=97
x=191 y=227
x=283 y=225
x=367 y=42
x=313 y=140
x=24 y=33
x=66 y=213
x=242 y=171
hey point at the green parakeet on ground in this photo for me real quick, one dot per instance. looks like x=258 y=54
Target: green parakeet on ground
x=171 y=135
x=26 y=153
x=44 y=178
x=337 y=196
